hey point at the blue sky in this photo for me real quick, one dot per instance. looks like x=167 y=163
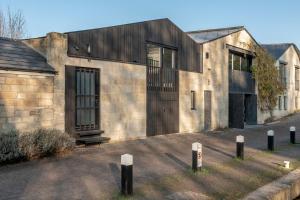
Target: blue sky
x=269 y=21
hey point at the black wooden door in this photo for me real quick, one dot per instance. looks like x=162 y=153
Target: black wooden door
x=207 y=110
x=70 y=100
x=162 y=101
x=82 y=99
x=251 y=109
x=236 y=110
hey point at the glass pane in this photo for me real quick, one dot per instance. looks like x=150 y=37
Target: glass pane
x=78 y=117
x=92 y=116
x=78 y=82
x=236 y=62
x=244 y=66
x=167 y=58
x=153 y=55
x=92 y=85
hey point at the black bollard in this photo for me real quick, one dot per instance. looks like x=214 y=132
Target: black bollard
x=293 y=135
x=126 y=174
x=270 y=134
x=240 y=147
x=196 y=156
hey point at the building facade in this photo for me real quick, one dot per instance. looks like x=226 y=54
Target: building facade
x=288 y=64
x=132 y=81
x=227 y=60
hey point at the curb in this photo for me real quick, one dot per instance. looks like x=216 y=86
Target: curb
x=285 y=188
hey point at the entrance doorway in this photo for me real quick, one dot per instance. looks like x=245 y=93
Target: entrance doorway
x=82 y=99
x=242 y=110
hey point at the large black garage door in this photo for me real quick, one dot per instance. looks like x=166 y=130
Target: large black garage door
x=162 y=101
x=236 y=111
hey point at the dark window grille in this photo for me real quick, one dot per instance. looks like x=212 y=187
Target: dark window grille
x=297 y=77
x=279 y=103
x=193 y=100
x=285 y=102
x=282 y=74
x=87 y=99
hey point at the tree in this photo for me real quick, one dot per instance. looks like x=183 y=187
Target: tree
x=267 y=79
x=12 y=24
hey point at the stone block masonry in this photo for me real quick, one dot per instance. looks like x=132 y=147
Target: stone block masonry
x=26 y=101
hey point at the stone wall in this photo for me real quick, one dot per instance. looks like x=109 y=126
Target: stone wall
x=122 y=97
x=122 y=89
x=26 y=101
x=190 y=120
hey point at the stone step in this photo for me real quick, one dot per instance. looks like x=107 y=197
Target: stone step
x=90 y=133
x=92 y=140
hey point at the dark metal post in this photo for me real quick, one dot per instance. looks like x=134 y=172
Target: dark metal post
x=196 y=156
x=240 y=147
x=270 y=134
x=126 y=174
x=293 y=134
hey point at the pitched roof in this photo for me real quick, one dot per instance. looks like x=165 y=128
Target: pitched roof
x=203 y=36
x=277 y=50
x=17 y=56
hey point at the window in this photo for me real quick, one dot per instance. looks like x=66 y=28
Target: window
x=193 y=100
x=158 y=56
x=296 y=103
x=282 y=74
x=153 y=55
x=239 y=61
x=207 y=55
x=297 y=78
x=87 y=99
x=279 y=103
x=285 y=102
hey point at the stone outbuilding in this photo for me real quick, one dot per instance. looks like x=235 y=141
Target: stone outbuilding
x=287 y=58
x=132 y=81
x=26 y=88
x=227 y=76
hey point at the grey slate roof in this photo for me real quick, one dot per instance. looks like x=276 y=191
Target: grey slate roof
x=17 y=56
x=203 y=36
x=277 y=50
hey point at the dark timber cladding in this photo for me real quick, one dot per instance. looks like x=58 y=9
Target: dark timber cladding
x=127 y=43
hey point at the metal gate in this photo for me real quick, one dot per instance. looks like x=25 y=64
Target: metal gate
x=162 y=100
x=82 y=99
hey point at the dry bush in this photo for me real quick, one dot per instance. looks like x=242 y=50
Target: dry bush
x=42 y=142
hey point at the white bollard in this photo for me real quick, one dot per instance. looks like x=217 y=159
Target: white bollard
x=240 y=146
x=196 y=156
x=126 y=174
x=286 y=164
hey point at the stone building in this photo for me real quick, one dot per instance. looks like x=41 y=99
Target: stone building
x=288 y=63
x=227 y=75
x=129 y=81
x=26 y=88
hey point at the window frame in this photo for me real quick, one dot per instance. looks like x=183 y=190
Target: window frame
x=285 y=102
x=233 y=55
x=161 y=47
x=297 y=78
x=193 y=100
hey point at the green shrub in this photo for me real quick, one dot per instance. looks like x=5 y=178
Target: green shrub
x=42 y=142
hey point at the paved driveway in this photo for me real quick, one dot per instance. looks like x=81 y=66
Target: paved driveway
x=161 y=167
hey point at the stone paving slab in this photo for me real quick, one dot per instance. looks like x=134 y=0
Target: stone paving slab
x=161 y=167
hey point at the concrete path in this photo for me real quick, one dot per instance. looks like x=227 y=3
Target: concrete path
x=161 y=168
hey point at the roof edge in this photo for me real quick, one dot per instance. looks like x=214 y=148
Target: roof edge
x=216 y=29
